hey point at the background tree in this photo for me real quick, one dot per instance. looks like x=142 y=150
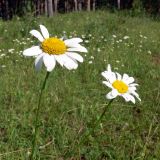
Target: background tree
x=50 y=7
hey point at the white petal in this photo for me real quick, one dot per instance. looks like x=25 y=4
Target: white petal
x=132 y=99
x=128 y=97
x=49 y=62
x=127 y=79
x=70 y=64
x=78 y=49
x=125 y=96
x=37 y=34
x=136 y=95
x=119 y=77
x=132 y=89
x=109 y=68
x=38 y=62
x=59 y=59
x=66 y=61
x=44 y=31
x=110 y=76
x=133 y=84
x=112 y=94
x=73 y=41
x=33 y=51
x=74 y=45
x=107 y=84
x=75 y=56
x=130 y=80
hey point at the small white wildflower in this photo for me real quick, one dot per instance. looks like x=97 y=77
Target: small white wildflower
x=122 y=65
x=126 y=37
x=98 y=49
x=116 y=68
x=2 y=55
x=145 y=37
x=3 y=66
x=86 y=41
x=92 y=57
x=90 y=62
x=149 y=52
x=83 y=36
x=52 y=50
x=121 y=85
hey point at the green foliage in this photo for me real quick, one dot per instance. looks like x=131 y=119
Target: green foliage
x=137 y=7
x=73 y=100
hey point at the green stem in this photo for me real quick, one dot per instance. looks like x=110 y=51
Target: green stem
x=37 y=117
x=100 y=118
x=103 y=113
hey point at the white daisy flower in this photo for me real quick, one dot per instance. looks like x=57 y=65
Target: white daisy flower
x=121 y=85
x=52 y=49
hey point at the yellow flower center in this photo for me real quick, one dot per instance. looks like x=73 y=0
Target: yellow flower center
x=120 y=86
x=53 y=46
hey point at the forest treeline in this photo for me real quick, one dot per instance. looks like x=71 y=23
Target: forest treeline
x=9 y=8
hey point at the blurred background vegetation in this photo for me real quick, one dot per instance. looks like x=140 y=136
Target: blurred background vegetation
x=10 y=8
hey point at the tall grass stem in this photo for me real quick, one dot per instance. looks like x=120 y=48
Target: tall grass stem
x=37 y=117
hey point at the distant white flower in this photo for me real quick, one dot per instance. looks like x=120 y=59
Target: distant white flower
x=126 y=37
x=145 y=37
x=121 y=85
x=90 y=62
x=149 y=52
x=83 y=36
x=54 y=49
x=86 y=41
x=92 y=57
x=98 y=49
x=3 y=66
x=116 y=68
x=2 y=55
x=11 y=50
x=114 y=36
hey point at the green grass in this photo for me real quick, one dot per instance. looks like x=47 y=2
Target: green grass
x=73 y=100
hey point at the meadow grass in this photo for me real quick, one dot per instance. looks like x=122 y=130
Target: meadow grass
x=74 y=100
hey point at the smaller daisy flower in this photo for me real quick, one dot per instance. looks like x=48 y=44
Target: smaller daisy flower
x=121 y=85
x=53 y=49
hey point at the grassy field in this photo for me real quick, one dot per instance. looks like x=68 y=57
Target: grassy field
x=74 y=100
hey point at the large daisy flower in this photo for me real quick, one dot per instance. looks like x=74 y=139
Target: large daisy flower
x=121 y=85
x=52 y=49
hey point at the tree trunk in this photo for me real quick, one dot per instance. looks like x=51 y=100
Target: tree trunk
x=66 y=5
x=76 y=5
x=46 y=8
x=119 y=4
x=88 y=5
x=56 y=6
x=80 y=6
x=50 y=8
x=37 y=7
x=94 y=5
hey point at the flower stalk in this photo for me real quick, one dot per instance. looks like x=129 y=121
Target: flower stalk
x=99 y=120
x=103 y=113
x=37 y=117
